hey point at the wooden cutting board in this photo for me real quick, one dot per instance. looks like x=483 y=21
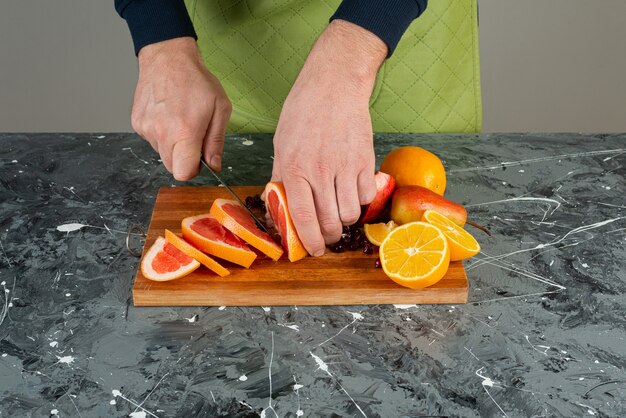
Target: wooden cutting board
x=335 y=279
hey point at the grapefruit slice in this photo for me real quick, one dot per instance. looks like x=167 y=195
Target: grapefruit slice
x=196 y=254
x=276 y=202
x=164 y=262
x=234 y=217
x=208 y=235
x=385 y=186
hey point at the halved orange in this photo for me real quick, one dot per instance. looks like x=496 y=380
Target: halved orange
x=163 y=262
x=376 y=233
x=276 y=202
x=208 y=235
x=195 y=253
x=462 y=244
x=415 y=255
x=234 y=217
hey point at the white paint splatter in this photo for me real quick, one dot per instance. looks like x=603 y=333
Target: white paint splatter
x=356 y=315
x=404 y=306
x=320 y=364
x=540 y=159
x=221 y=308
x=54 y=412
x=299 y=412
x=4 y=354
x=138 y=414
x=243 y=378
x=68 y=295
x=101 y=137
x=70 y=227
x=112 y=402
x=293 y=327
x=266 y=308
x=66 y=359
x=297 y=386
x=585 y=265
x=247 y=142
x=54 y=343
x=14 y=161
x=193 y=319
x=116 y=393
x=521 y=171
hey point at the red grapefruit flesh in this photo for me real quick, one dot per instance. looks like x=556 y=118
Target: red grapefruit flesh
x=276 y=202
x=164 y=262
x=195 y=253
x=208 y=235
x=235 y=218
x=385 y=185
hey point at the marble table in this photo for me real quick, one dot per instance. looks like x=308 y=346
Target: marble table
x=543 y=334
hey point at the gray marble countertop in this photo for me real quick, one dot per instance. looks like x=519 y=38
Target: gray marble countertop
x=543 y=334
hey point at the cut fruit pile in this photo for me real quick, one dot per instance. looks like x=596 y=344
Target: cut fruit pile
x=423 y=231
x=419 y=232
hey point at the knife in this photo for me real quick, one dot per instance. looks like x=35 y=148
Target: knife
x=232 y=192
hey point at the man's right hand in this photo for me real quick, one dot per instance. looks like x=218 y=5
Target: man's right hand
x=180 y=108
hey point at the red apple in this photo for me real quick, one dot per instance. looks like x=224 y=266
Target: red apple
x=410 y=202
x=385 y=185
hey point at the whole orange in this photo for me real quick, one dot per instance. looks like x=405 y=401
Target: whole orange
x=415 y=166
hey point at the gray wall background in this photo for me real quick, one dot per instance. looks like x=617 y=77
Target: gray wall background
x=547 y=65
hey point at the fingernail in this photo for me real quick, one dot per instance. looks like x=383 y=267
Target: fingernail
x=216 y=162
x=318 y=253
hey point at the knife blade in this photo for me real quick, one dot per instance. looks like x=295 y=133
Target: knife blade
x=232 y=192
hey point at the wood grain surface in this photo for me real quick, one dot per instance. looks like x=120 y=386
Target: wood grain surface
x=335 y=279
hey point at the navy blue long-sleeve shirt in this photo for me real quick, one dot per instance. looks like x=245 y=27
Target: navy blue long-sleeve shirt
x=152 y=21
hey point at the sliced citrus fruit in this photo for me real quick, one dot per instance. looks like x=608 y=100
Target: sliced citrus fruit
x=163 y=262
x=462 y=244
x=195 y=253
x=415 y=255
x=276 y=202
x=234 y=217
x=376 y=233
x=206 y=234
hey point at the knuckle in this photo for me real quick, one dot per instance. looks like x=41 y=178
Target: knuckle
x=217 y=139
x=293 y=169
x=350 y=216
x=330 y=228
x=302 y=214
x=323 y=170
x=225 y=106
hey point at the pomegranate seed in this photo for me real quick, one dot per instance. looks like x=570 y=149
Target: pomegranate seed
x=367 y=248
x=377 y=264
x=337 y=248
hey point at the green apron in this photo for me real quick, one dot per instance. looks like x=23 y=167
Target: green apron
x=256 y=48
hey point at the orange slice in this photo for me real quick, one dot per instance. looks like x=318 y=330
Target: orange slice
x=196 y=254
x=376 y=233
x=276 y=202
x=164 y=262
x=415 y=255
x=206 y=234
x=462 y=244
x=234 y=217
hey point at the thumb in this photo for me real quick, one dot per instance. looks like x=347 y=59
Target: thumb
x=185 y=159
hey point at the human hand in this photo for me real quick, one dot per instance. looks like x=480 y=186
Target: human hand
x=323 y=146
x=180 y=108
